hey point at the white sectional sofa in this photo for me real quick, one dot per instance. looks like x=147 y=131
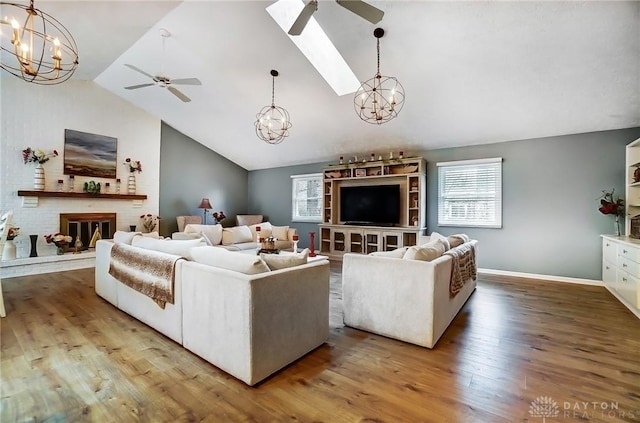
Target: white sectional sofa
x=249 y=325
x=237 y=238
x=404 y=299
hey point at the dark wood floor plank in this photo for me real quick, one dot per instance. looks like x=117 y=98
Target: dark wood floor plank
x=67 y=355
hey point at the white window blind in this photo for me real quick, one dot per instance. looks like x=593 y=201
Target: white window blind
x=306 y=198
x=470 y=193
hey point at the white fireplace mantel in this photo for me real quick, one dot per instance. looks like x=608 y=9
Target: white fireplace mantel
x=47 y=264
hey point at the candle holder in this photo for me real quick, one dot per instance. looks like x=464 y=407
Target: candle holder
x=295 y=240
x=71 y=181
x=117 y=186
x=312 y=242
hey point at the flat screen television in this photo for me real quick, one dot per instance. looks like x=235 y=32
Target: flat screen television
x=370 y=205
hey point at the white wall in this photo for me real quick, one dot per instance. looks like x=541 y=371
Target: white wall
x=36 y=116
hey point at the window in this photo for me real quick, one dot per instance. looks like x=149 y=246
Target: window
x=470 y=193
x=306 y=198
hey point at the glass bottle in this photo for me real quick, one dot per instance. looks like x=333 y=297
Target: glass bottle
x=71 y=181
x=118 y=186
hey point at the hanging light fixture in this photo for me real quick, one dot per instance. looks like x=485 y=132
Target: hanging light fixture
x=381 y=98
x=273 y=123
x=41 y=50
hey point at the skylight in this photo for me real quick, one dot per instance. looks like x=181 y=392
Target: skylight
x=316 y=47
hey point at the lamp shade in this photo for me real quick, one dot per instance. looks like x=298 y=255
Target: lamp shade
x=205 y=204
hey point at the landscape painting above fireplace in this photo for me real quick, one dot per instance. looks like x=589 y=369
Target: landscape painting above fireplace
x=89 y=154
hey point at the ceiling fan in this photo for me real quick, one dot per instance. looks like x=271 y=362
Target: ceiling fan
x=164 y=81
x=359 y=7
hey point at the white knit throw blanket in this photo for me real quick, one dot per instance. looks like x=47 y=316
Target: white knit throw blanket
x=151 y=273
x=463 y=266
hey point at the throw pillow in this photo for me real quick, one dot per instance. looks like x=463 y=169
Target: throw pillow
x=458 y=239
x=280 y=232
x=175 y=247
x=154 y=235
x=123 y=237
x=397 y=253
x=444 y=239
x=249 y=264
x=236 y=235
x=265 y=230
x=427 y=252
x=213 y=232
x=283 y=261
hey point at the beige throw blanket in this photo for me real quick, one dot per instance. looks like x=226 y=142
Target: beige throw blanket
x=150 y=272
x=463 y=266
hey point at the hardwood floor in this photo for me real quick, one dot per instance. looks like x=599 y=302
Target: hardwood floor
x=69 y=356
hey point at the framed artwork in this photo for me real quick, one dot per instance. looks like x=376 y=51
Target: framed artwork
x=89 y=154
x=361 y=172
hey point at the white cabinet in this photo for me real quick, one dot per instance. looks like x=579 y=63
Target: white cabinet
x=621 y=269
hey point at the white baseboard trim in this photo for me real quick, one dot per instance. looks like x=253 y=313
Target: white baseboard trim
x=543 y=277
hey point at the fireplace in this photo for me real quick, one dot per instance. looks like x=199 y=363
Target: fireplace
x=83 y=225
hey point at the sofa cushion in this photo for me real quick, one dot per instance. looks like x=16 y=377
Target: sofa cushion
x=427 y=252
x=175 y=247
x=248 y=264
x=283 y=261
x=280 y=232
x=212 y=233
x=265 y=230
x=444 y=239
x=458 y=239
x=123 y=237
x=236 y=235
x=397 y=253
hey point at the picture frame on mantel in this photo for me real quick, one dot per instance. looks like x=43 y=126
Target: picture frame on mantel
x=90 y=155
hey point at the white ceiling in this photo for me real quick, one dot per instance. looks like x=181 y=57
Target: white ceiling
x=473 y=72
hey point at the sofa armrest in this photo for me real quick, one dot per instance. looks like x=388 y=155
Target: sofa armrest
x=394 y=297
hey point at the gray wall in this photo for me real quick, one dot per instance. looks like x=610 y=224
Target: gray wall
x=551 y=223
x=190 y=172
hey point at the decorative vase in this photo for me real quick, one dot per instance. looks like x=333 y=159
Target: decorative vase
x=9 y=252
x=132 y=228
x=61 y=249
x=38 y=178
x=34 y=243
x=131 y=184
x=617 y=226
x=312 y=242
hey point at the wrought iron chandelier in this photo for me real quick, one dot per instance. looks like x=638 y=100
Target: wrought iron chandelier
x=273 y=123
x=379 y=99
x=41 y=50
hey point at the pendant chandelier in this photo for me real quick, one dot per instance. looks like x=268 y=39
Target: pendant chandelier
x=273 y=123
x=34 y=46
x=381 y=98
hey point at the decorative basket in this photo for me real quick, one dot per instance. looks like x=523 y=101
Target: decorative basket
x=634 y=231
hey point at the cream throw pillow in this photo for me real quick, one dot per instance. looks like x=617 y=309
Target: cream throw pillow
x=236 y=235
x=445 y=241
x=212 y=232
x=427 y=252
x=265 y=230
x=458 y=239
x=280 y=232
x=123 y=237
x=283 y=261
x=175 y=247
x=397 y=253
x=248 y=264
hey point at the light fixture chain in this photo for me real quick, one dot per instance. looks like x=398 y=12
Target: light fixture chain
x=273 y=90
x=378 y=48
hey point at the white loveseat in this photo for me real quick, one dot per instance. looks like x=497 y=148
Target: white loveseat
x=408 y=300
x=238 y=238
x=249 y=325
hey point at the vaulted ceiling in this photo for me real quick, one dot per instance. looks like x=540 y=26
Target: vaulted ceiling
x=474 y=72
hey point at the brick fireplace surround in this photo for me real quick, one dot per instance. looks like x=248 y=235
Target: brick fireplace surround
x=73 y=224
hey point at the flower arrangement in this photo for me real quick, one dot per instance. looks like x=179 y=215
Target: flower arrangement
x=13 y=233
x=149 y=222
x=37 y=156
x=611 y=205
x=58 y=239
x=218 y=216
x=133 y=165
